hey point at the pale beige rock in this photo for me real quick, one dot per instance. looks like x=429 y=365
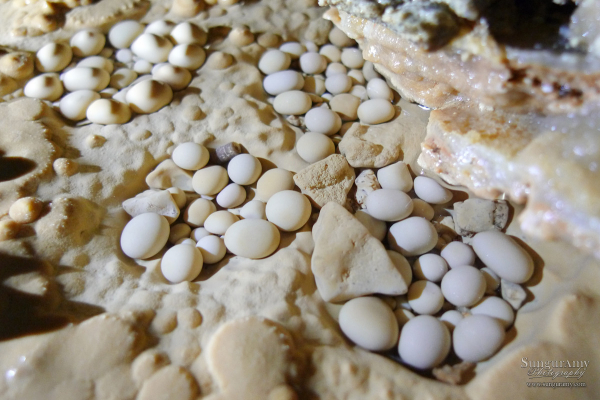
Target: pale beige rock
x=167 y=174
x=170 y=382
x=146 y=364
x=157 y=201
x=479 y=215
x=371 y=146
x=366 y=182
x=26 y=210
x=244 y=374
x=347 y=261
x=327 y=180
x=65 y=167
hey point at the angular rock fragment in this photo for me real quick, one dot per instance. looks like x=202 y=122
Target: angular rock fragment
x=348 y=261
x=371 y=146
x=167 y=174
x=479 y=215
x=327 y=180
x=513 y=293
x=156 y=201
x=366 y=182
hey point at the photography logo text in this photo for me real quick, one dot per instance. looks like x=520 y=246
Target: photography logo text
x=555 y=373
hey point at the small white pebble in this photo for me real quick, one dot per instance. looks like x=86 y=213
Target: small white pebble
x=359 y=91
x=252 y=238
x=375 y=111
x=25 y=210
x=283 y=81
x=218 y=222
x=389 y=204
x=369 y=72
x=231 y=196
x=210 y=180
x=430 y=267
x=450 y=318
x=312 y=63
x=458 y=253
x=44 y=87
x=254 y=209
x=477 y=337
x=181 y=263
x=503 y=255
x=422 y=209
x=497 y=308
x=85 y=78
x=212 y=248
x=395 y=176
x=241 y=36
x=377 y=88
x=108 y=111
x=176 y=77
x=492 y=280
x=87 y=42
x=376 y=227
x=338 y=83
x=339 y=38
x=144 y=235
x=357 y=77
x=160 y=27
x=142 y=67
x=370 y=323
x=65 y=167
x=294 y=49
x=74 y=105
x=187 y=241
x=313 y=147
x=244 y=169
x=123 y=33
x=124 y=56
x=53 y=57
x=188 y=56
x=463 y=286
x=311 y=46
x=331 y=53
x=425 y=297
x=352 y=58
x=152 y=48
x=273 y=61
x=314 y=85
x=424 y=342
x=431 y=191
x=293 y=102
x=191 y=156
x=188 y=33
x=402 y=265
x=149 y=96
x=273 y=181
x=335 y=69
x=122 y=78
x=413 y=236
x=97 y=62
x=288 y=210
x=179 y=231
x=403 y=316
x=199 y=233
x=322 y=120
x=346 y=105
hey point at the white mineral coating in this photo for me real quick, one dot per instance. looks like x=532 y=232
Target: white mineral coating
x=244 y=169
x=210 y=180
x=152 y=48
x=424 y=342
x=44 y=87
x=97 y=62
x=294 y=49
x=377 y=88
x=197 y=211
x=188 y=33
x=87 y=42
x=395 y=176
x=122 y=78
x=53 y=57
x=177 y=77
x=74 y=105
x=497 y=308
x=457 y=254
x=425 y=297
x=273 y=181
x=338 y=83
x=108 y=111
x=181 y=263
x=389 y=204
x=352 y=58
x=503 y=255
x=85 y=78
x=413 y=236
x=231 y=196
x=218 y=222
x=252 y=238
x=123 y=33
x=199 y=233
x=145 y=235
x=431 y=191
x=322 y=120
x=331 y=53
x=422 y=209
x=149 y=96
x=190 y=56
x=179 y=231
x=402 y=265
x=293 y=102
x=313 y=147
x=376 y=227
x=375 y=111
x=463 y=286
x=191 y=156
x=335 y=68
x=283 y=81
x=369 y=323
x=254 y=209
x=369 y=72
x=477 y=337
x=430 y=267
x=288 y=210
x=312 y=63
x=212 y=248
x=160 y=27
x=451 y=318
x=274 y=60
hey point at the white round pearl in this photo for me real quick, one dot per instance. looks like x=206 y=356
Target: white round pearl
x=44 y=87
x=431 y=267
x=254 y=209
x=160 y=27
x=197 y=211
x=293 y=102
x=75 y=104
x=431 y=191
x=377 y=88
x=352 y=58
x=188 y=56
x=87 y=42
x=199 y=233
x=123 y=33
x=457 y=254
x=424 y=342
x=283 y=81
x=288 y=210
x=177 y=77
x=322 y=120
x=181 y=263
x=463 y=286
x=477 y=337
x=413 y=236
x=335 y=68
x=210 y=180
x=191 y=156
x=450 y=318
x=212 y=248
x=53 y=57
x=313 y=147
x=312 y=63
x=144 y=235
x=188 y=33
x=244 y=169
x=273 y=61
x=425 y=297
x=218 y=222
x=108 y=111
x=370 y=323
x=149 y=96
x=252 y=238
x=497 y=308
x=338 y=83
x=273 y=181
x=389 y=204
x=294 y=49
x=231 y=196
x=152 y=48
x=85 y=78
x=375 y=111
x=331 y=53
